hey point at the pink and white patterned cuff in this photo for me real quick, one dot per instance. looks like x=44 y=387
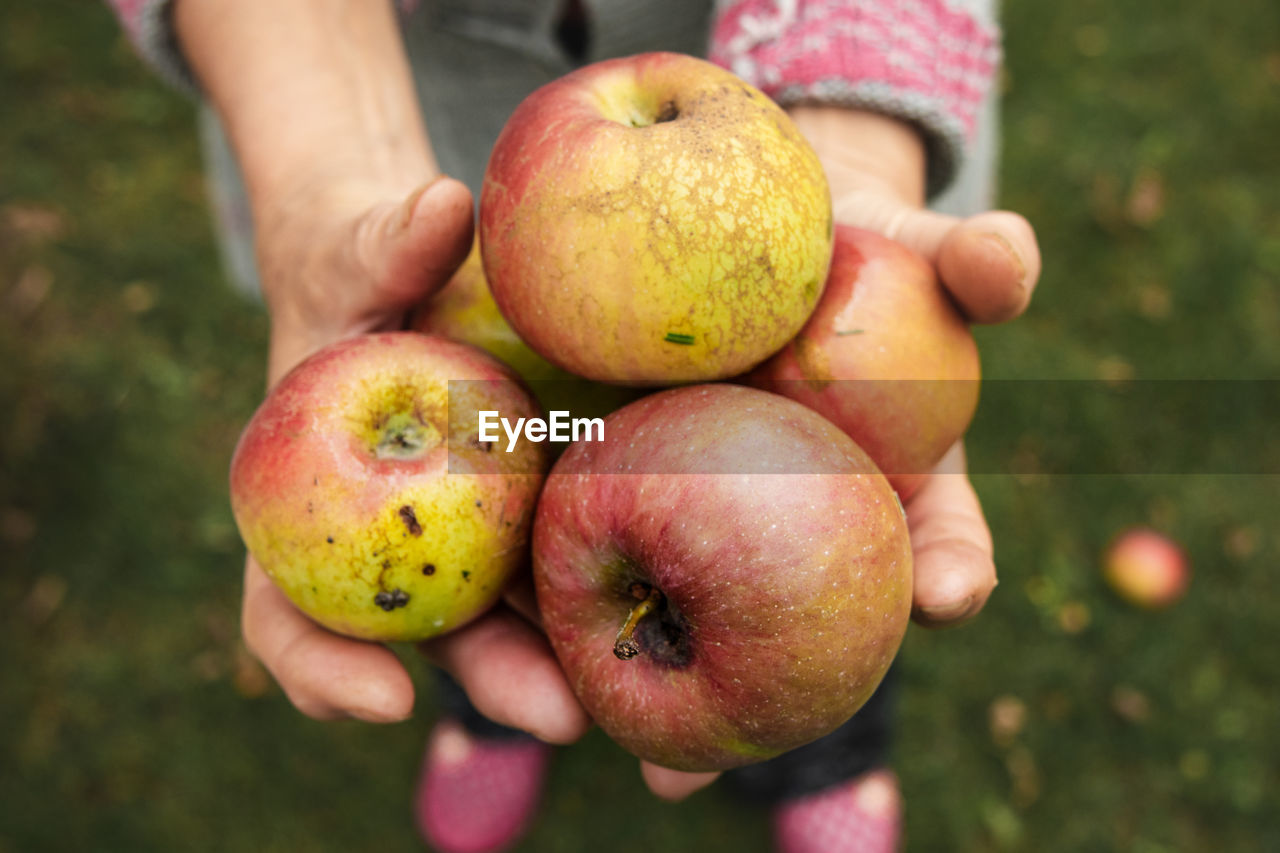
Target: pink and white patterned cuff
x=149 y=25
x=928 y=62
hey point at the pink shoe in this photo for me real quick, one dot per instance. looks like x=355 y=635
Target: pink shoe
x=863 y=815
x=478 y=795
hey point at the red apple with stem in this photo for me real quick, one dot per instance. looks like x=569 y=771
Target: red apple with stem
x=725 y=577
x=886 y=356
x=653 y=220
x=362 y=489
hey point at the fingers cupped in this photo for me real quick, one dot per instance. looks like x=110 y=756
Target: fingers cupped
x=951 y=545
x=324 y=675
x=511 y=675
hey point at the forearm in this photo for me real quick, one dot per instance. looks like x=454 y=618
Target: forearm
x=311 y=92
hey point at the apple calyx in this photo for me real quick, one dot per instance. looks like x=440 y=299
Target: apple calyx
x=625 y=646
x=405 y=436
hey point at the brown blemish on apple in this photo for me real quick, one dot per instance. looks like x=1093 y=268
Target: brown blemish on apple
x=429 y=569
x=813 y=363
x=389 y=601
x=410 y=520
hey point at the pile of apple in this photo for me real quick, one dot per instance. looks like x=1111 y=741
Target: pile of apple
x=727 y=574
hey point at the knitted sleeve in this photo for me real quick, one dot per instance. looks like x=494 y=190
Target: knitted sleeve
x=929 y=62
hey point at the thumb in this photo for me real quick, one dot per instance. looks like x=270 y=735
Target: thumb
x=990 y=262
x=411 y=248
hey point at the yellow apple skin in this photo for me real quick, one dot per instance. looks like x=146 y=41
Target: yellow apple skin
x=654 y=220
x=886 y=356
x=362 y=489
x=464 y=310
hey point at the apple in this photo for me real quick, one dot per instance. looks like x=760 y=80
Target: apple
x=360 y=486
x=726 y=576
x=886 y=356
x=654 y=220
x=1146 y=568
x=464 y=310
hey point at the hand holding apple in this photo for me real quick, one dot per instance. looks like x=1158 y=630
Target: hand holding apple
x=355 y=260
x=988 y=262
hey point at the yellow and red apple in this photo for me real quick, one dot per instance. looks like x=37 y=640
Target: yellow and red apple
x=886 y=356
x=654 y=220
x=361 y=487
x=1146 y=568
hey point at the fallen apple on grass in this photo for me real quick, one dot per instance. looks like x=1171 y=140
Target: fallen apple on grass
x=886 y=356
x=653 y=220
x=360 y=486
x=725 y=577
x=1146 y=568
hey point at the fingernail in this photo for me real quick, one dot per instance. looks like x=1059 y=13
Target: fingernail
x=1006 y=248
x=947 y=612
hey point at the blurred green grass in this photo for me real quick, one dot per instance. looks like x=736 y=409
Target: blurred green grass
x=1140 y=138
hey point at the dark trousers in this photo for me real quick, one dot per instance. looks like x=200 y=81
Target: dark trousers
x=859 y=745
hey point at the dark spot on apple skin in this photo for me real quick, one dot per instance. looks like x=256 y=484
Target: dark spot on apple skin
x=466 y=576
x=479 y=503
x=664 y=637
x=329 y=539
x=429 y=569
x=410 y=520
x=389 y=601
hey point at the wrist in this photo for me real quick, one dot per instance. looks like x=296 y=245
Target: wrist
x=316 y=97
x=864 y=152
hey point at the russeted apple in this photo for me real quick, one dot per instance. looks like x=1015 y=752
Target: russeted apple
x=652 y=220
x=886 y=356
x=726 y=576
x=361 y=487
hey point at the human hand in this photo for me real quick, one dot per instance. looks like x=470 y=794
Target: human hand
x=339 y=262
x=990 y=263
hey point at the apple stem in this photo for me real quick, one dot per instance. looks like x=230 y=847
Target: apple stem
x=625 y=646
